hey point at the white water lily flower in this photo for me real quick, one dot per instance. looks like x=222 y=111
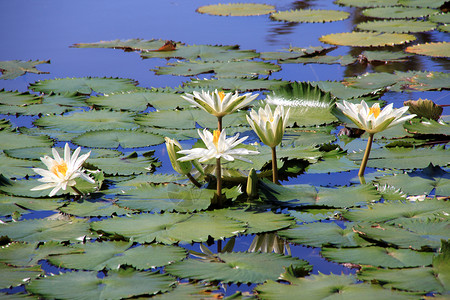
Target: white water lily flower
x=372 y=119
x=61 y=173
x=218 y=145
x=269 y=126
x=218 y=103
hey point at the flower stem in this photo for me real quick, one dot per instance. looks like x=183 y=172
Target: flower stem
x=193 y=180
x=366 y=155
x=219 y=124
x=274 y=166
x=219 y=181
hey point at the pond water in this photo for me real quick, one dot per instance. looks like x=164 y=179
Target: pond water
x=46 y=30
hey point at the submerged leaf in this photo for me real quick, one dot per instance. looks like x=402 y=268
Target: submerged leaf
x=127 y=45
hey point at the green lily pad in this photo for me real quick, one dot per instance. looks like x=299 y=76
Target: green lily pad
x=94 y=209
x=397 y=26
x=88 y=121
x=14 y=68
x=258 y=221
x=16 y=168
x=322 y=59
x=242 y=267
x=308 y=136
x=339 y=90
x=237 y=9
x=323 y=286
x=221 y=69
x=404 y=158
x=367 y=3
x=379 y=257
x=39 y=230
x=84 y=85
x=346 y=196
x=421 y=182
x=127 y=45
x=171 y=228
x=12 y=203
x=139 y=100
x=17 y=98
x=428 y=127
x=398 y=210
x=86 y=285
x=126 y=165
x=169 y=197
x=204 y=52
x=320 y=234
x=189 y=119
x=111 y=255
x=367 y=39
x=422 y=3
x=413 y=279
x=312 y=215
x=11 y=140
x=13 y=276
x=236 y=84
x=409 y=234
x=310 y=15
x=116 y=138
x=35 y=153
x=189 y=291
x=66 y=99
x=308 y=105
x=36 y=109
x=439 y=49
x=399 y=12
x=29 y=254
x=440 y=18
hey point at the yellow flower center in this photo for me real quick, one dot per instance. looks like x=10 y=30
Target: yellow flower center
x=221 y=95
x=60 y=168
x=375 y=110
x=216 y=135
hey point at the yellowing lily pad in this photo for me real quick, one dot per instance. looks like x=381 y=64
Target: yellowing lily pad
x=367 y=39
x=237 y=9
x=440 y=49
x=310 y=15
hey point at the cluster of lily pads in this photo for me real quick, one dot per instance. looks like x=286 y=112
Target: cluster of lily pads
x=120 y=220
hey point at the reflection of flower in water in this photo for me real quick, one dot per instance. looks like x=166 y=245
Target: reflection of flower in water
x=62 y=172
x=269 y=242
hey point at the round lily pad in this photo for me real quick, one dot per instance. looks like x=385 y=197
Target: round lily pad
x=439 y=49
x=397 y=26
x=88 y=120
x=237 y=9
x=310 y=15
x=243 y=267
x=116 y=138
x=399 y=12
x=367 y=39
x=367 y=3
x=84 y=85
